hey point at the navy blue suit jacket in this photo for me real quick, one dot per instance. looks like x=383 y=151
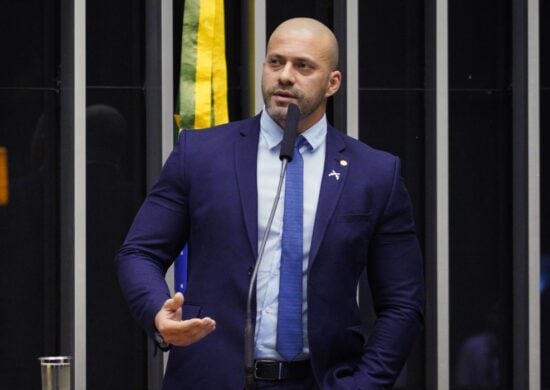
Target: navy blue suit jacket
x=206 y=197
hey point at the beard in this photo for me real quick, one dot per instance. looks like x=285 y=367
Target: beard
x=307 y=105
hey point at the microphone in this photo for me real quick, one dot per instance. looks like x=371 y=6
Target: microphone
x=290 y=134
x=285 y=155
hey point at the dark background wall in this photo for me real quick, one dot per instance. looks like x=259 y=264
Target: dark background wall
x=392 y=114
x=115 y=177
x=30 y=77
x=29 y=228
x=480 y=140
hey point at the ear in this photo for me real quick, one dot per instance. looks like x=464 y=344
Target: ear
x=334 y=81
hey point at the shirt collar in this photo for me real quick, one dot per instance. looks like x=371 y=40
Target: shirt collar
x=273 y=134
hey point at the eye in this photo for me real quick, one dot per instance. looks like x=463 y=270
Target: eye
x=304 y=67
x=274 y=62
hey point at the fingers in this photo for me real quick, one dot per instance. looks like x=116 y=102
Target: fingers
x=171 y=310
x=182 y=333
x=174 y=303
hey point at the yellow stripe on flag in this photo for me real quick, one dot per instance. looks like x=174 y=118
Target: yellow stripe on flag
x=219 y=70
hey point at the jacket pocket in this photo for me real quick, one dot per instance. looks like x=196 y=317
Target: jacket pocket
x=350 y=343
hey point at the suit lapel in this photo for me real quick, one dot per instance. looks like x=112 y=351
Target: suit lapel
x=332 y=184
x=246 y=156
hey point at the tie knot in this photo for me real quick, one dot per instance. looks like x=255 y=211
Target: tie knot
x=302 y=141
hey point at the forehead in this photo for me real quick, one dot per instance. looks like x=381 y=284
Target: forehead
x=298 y=44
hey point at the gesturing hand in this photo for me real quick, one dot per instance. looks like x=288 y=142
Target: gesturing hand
x=177 y=332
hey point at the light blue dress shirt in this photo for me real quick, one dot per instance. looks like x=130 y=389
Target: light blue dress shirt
x=269 y=166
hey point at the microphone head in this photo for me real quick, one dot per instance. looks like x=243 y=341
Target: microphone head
x=290 y=134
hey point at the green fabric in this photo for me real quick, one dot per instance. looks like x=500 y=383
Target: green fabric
x=186 y=96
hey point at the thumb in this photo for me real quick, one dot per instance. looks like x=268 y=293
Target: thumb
x=174 y=303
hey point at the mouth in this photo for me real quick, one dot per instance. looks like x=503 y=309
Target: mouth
x=284 y=95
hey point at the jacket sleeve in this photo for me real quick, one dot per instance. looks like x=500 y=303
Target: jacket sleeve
x=156 y=237
x=395 y=273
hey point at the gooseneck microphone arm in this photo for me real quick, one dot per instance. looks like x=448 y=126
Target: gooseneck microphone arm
x=249 y=328
x=285 y=155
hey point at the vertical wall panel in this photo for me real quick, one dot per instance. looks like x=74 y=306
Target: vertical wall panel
x=437 y=194
x=526 y=194
x=351 y=74
x=481 y=240
x=391 y=108
x=544 y=43
x=545 y=234
x=80 y=325
x=116 y=184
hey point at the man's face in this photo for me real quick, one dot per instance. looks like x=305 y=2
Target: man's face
x=297 y=70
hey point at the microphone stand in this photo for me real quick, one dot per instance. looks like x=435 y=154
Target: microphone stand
x=287 y=150
x=249 y=328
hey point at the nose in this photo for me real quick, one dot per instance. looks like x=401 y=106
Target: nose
x=286 y=76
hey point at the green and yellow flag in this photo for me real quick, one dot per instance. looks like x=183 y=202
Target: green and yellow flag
x=202 y=95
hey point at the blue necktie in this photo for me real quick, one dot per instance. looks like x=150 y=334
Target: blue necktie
x=289 y=319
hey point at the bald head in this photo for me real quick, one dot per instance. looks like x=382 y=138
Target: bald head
x=300 y=68
x=308 y=26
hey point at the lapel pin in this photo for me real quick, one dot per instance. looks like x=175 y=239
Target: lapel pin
x=343 y=163
x=335 y=174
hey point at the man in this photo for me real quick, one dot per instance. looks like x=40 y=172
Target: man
x=215 y=193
